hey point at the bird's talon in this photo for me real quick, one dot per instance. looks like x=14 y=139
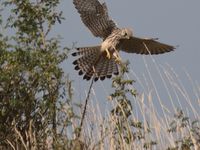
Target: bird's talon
x=117 y=59
x=108 y=55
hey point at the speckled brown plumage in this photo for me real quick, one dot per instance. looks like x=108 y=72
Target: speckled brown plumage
x=100 y=61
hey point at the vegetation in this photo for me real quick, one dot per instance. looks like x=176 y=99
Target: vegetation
x=37 y=108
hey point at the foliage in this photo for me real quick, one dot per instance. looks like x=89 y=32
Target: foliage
x=126 y=129
x=182 y=123
x=30 y=76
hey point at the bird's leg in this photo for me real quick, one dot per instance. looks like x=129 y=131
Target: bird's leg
x=108 y=54
x=117 y=56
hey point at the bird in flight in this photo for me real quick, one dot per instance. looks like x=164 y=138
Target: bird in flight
x=102 y=61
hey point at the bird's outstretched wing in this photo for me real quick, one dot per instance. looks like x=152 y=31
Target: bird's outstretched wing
x=95 y=16
x=144 y=46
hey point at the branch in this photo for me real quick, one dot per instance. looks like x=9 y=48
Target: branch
x=84 y=110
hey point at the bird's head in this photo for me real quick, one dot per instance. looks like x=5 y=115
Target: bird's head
x=126 y=33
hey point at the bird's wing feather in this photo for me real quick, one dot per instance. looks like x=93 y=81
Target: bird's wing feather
x=144 y=46
x=95 y=16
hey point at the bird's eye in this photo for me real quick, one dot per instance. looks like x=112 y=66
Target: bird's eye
x=124 y=34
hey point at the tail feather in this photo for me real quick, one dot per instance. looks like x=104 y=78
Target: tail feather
x=113 y=66
x=85 y=50
x=93 y=63
x=107 y=67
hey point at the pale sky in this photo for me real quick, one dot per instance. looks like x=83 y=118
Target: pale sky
x=174 y=22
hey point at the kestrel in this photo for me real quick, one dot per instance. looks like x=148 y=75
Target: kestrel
x=102 y=61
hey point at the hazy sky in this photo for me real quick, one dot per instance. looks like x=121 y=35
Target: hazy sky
x=174 y=22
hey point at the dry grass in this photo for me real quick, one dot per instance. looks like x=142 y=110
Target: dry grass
x=154 y=108
x=163 y=113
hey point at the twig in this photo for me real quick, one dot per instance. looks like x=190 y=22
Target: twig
x=85 y=107
x=10 y=144
x=21 y=138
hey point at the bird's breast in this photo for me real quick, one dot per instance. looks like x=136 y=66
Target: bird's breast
x=104 y=45
x=109 y=45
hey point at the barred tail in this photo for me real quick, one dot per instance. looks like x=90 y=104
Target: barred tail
x=93 y=63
